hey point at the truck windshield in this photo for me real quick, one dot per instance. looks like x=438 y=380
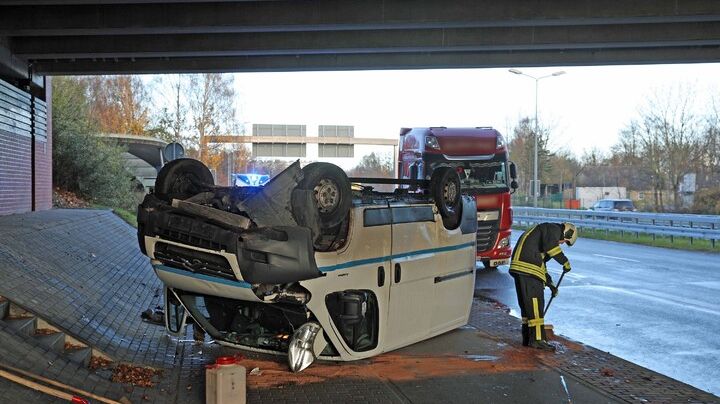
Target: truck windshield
x=485 y=176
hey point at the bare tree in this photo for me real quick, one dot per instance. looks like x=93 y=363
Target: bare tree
x=212 y=107
x=671 y=123
x=522 y=152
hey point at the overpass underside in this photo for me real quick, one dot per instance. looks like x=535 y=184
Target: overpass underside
x=51 y=37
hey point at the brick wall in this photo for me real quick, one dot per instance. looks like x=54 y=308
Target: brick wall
x=43 y=174
x=43 y=158
x=16 y=145
x=15 y=181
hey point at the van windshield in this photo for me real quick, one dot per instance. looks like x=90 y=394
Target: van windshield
x=484 y=176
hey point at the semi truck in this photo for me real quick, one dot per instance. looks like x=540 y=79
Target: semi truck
x=480 y=157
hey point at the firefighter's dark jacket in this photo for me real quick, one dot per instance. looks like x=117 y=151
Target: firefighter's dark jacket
x=535 y=247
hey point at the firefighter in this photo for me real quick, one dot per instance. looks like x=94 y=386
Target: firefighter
x=534 y=248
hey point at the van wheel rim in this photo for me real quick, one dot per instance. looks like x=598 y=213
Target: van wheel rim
x=450 y=193
x=327 y=195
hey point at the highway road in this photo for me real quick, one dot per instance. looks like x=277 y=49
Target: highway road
x=659 y=308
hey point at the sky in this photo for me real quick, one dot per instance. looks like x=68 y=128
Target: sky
x=586 y=107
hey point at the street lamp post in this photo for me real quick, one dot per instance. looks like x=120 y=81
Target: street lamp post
x=536 y=187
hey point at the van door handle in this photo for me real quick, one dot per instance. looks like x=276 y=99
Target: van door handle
x=381 y=277
x=397 y=273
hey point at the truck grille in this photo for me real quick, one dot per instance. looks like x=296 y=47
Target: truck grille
x=194 y=261
x=486 y=235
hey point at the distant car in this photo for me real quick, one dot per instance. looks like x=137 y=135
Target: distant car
x=616 y=205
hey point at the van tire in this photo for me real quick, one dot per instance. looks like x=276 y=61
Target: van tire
x=181 y=179
x=333 y=195
x=445 y=190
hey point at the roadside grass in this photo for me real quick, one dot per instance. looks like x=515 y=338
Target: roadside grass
x=678 y=243
x=124 y=214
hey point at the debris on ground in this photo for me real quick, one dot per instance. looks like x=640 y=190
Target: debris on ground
x=388 y=366
x=559 y=347
x=135 y=375
x=153 y=316
x=67 y=199
x=607 y=372
x=98 y=362
x=256 y=372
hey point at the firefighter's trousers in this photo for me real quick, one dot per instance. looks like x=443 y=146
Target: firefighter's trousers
x=532 y=303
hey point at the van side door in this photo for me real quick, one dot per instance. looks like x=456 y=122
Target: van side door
x=413 y=268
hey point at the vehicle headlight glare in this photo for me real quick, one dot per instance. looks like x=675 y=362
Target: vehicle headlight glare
x=504 y=242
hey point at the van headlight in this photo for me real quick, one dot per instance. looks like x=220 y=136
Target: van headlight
x=504 y=242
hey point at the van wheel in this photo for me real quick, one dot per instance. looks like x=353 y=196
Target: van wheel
x=181 y=179
x=331 y=188
x=445 y=190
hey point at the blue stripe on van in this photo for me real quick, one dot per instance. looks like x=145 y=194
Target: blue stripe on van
x=237 y=284
x=394 y=256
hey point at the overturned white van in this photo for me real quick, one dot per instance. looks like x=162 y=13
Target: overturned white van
x=308 y=265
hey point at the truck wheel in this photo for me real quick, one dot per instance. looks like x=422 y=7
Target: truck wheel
x=181 y=179
x=332 y=192
x=445 y=190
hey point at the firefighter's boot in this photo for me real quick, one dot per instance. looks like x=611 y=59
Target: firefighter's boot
x=540 y=344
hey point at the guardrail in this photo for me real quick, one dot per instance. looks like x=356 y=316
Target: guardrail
x=706 y=227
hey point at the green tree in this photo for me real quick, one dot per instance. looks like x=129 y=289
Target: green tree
x=82 y=162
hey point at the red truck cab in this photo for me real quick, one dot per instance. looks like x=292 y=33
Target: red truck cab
x=480 y=157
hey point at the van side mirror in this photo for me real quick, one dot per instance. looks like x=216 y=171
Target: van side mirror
x=513 y=173
x=175 y=314
x=514 y=186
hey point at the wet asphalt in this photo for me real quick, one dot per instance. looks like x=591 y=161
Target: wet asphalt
x=657 y=307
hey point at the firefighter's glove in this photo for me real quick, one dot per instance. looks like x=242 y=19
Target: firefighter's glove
x=566 y=267
x=553 y=289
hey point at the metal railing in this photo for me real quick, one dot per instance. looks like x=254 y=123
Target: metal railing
x=706 y=227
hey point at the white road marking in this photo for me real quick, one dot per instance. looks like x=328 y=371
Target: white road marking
x=615 y=258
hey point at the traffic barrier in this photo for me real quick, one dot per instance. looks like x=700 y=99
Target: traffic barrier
x=705 y=227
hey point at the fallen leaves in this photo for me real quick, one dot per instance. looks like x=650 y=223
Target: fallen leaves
x=135 y=375
x=98 y=362
x=67 y=199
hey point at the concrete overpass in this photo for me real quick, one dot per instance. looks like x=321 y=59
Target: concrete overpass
x=48 y=37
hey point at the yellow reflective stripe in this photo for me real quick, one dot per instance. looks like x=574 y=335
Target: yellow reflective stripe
x=532 y=273
x=528 y=268
x=554 y=251
x=534 y=322
x=518 y=250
